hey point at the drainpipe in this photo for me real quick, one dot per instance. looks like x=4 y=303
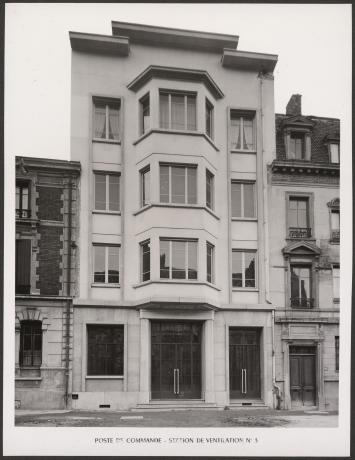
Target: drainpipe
x=122 y=207
x=229 y=212
x=69 y=300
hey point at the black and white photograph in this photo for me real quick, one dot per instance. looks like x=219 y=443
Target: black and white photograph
x=178 y=277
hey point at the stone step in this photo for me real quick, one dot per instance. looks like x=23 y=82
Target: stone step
x=248 y=403
x=174 y=406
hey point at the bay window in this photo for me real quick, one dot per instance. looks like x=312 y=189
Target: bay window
x=178 y=259
x=145 y=186
x=144 y=108
x=209 y=119
x=177 y=111
x=210 y=262
x=209 y=189
x=145 y=260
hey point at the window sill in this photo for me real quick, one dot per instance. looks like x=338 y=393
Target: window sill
x=176 y=205
x=106 y=141
x=175 y=131
x=334 y=242
x=103 y=377
x=105 y=285
x=112 y=213
x=28 y=378
x=168 y=281
x=244 y=219
x=253 y=152
x=336 y=300
x=236 y=289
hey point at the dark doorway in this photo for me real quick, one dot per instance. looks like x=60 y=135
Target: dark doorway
x=303 y=376
x=176 y=360
x=244 y=363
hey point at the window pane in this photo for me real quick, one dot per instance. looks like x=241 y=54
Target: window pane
x=209 y=263
x=249 y=264
x=164 y=184
x=145 y=248
x=235 y=132
x=191 y=186
x=295 y=283
x=105 y=350
x=164 y=259
x=334 y=153
x=164 y=110
x=100 y=121
x=335 y=220
x=297 y=145
x=209 y=190
x=145 y=115
x=145 y=187
x=249 y=200
x=237 y=278
x=177 y=184
x=99 y=264
x=304 y=275
x=248 y=143
x=113 y=123
x=191 y=113
x=24 y=197
x=18 y=197
x=113 y=264
x=236 y=200
x=100 y=191
x=114 y=193
x=192 y=260
x=178 y=112
x=178 y=260
x=209 y=111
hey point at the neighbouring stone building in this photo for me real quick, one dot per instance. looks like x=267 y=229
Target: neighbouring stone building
x=304 y=235
x=46 y=226
x=173 y=129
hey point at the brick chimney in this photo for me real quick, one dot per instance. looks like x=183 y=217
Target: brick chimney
x=294 y=106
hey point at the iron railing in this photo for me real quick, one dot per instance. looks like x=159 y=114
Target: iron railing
x=299 y=232
x=23 y=213
x=302 y=302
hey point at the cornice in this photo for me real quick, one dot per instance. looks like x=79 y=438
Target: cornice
x=100 y=44
x=246 y=60
x=32 y=163
x=304 y=168
x=176 y=73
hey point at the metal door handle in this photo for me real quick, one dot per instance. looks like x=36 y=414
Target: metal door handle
x=242 y=381
x=174 y=381
x=245 y=381
x=178 y=381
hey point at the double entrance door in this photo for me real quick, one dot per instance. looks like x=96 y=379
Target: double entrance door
x=302 y=376
x=244 y=363
x=176 y=360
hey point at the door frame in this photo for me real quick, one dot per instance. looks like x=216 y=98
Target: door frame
x=314 y=372
x=319 y=380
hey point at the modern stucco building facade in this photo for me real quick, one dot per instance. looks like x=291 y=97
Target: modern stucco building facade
x=46 y=225
x=174 y=130
x=304 y=257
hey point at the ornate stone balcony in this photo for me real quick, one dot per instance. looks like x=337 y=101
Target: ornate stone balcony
x=301 y=302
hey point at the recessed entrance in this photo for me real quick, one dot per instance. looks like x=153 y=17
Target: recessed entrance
x=176 y=360
x=244 y=363
x=302 y=376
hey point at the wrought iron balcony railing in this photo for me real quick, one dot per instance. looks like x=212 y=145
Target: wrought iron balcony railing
x=335 y=235
x=23 y=213
x=299 y=232
x=302 y=302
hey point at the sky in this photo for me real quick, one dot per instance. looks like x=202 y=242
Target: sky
x=313 y=43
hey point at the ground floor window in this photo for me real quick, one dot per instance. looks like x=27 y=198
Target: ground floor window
x=105 y=349
x=31 y=343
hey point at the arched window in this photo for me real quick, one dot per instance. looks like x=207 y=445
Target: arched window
x=31 y=343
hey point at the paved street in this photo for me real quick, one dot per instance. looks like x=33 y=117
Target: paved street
x=187 y=418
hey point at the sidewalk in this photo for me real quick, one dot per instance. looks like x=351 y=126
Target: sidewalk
x=187 y=418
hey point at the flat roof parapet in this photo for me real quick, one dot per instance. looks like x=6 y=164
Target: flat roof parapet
x=247 y=60
x=101 y=44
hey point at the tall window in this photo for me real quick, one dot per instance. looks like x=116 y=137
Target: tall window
x=301 y=286
x=177 y=111
x=209 y=189
x=334 y=153
x=144 y=107
x=335 y=225
x=145 y=186
x=145 y=260
x=178 y=184
x=209 y=119
x=178 y=259
x=242 y=131
x=297 y=146
x=210 y=262
x=31 y=343
x=243 y=269
x=337 y=353
x=106 y=119
x=107 y=192
x=22 y=200
x=243 y=199
x=298 y=217
x=106 y=264
x=23 y=266
x=336 y=282
x=105 y=349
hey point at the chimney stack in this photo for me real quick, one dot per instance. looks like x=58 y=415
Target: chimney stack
x=294 y=106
